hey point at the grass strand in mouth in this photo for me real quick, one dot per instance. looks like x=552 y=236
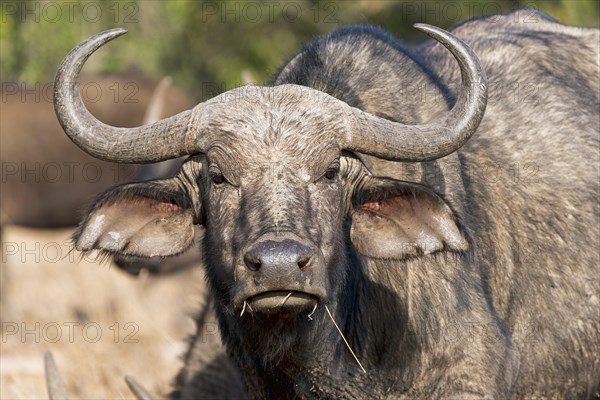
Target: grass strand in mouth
x=286 y=298
x=345 y=341
x=312 y=312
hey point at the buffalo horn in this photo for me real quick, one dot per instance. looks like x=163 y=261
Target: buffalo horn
x=161 y=140
x=390 y=140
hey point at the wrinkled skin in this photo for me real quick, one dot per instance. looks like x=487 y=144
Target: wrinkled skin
x=425 y=267
x=263 y=198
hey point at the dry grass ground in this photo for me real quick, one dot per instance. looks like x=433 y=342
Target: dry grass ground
x=99 y=322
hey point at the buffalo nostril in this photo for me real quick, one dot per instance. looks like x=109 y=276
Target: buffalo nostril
x=304 y=260
x=252 y=262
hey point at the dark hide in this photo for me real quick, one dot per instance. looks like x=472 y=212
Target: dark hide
x=472 y=276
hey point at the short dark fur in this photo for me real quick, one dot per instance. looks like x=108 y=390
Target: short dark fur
x=504 y=306
x=401 y=359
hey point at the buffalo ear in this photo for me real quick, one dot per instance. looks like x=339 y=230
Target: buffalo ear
x=147 y=219
x=395 y=220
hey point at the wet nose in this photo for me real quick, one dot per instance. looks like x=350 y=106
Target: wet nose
x=276 y=255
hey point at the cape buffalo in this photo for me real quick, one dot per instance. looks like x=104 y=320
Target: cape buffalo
x=357 y=243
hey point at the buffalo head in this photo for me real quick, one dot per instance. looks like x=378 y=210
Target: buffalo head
x=275 y=182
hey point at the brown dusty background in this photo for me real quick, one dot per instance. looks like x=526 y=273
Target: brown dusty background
x=99 y=322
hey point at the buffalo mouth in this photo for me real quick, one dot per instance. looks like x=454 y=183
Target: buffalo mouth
x=281 y=302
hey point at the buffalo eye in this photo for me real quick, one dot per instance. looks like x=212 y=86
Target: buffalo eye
x=330 y=173
x=215 y=175
x=217 y=178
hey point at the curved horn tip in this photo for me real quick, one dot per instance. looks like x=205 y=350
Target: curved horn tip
x=94 y=43
x=430 y=30
x=71 y=65
x=101 y=38
x=116 y=32
x=422 y=26
x=106 y=36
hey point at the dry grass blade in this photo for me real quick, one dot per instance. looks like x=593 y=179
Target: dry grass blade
x=286 y=299
x=137 y=389
x=56 y=387
x=312 y=312
x=345 y=341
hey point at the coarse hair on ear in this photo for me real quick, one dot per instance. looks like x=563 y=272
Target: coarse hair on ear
x=392 y=219
x=146 y=219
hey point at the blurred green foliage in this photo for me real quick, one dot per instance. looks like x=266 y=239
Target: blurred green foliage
x=207 y=45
